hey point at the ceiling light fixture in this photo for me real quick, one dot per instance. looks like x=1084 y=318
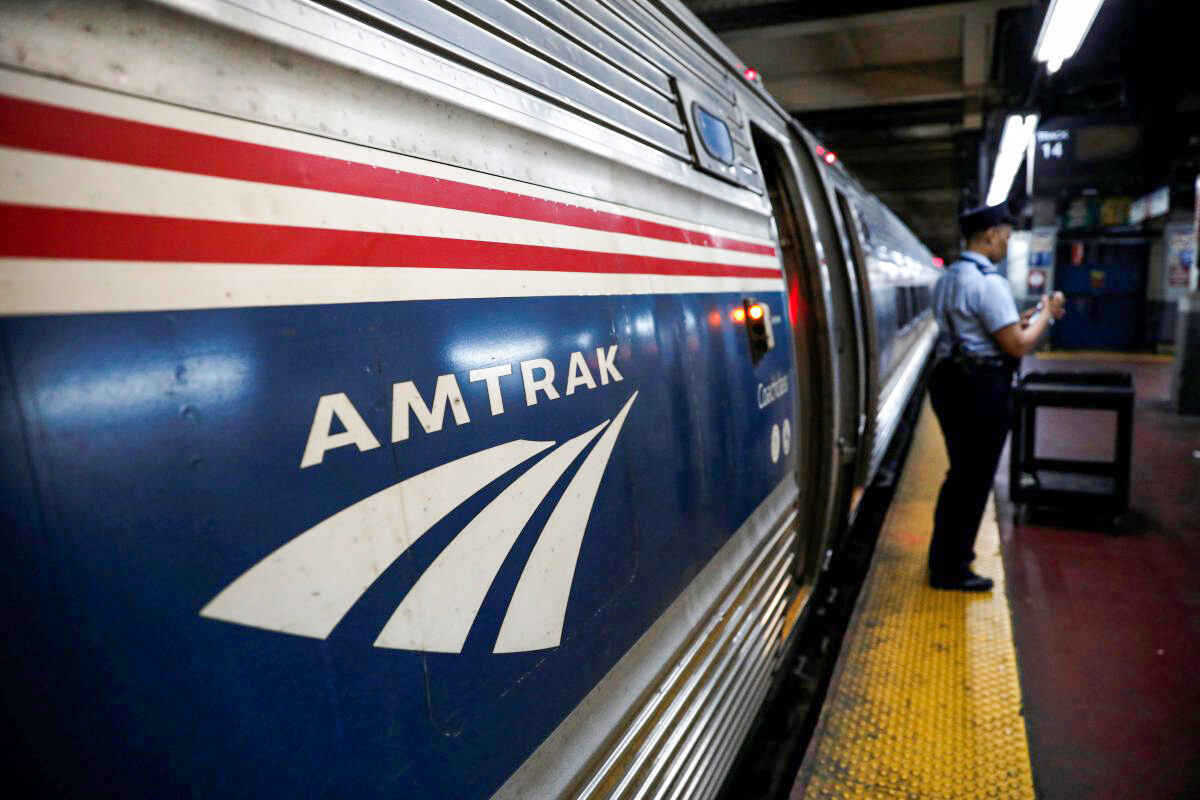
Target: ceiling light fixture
x=1013 y=141
x=1066 y=24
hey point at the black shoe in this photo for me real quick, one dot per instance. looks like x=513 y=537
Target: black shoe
x=963 y=582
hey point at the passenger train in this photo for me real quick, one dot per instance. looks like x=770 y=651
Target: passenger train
x=403 y=398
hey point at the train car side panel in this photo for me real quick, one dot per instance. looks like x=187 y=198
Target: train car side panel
x=356 y=475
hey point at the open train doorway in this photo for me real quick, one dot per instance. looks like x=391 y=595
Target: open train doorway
x=800 y=254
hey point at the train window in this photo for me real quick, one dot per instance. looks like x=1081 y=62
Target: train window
x=866 y=229
x=714 y=134
x=903 y=307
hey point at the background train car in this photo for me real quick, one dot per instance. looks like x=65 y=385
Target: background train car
x=419 y=399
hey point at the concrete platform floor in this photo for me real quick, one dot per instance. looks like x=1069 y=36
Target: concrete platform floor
x=1107 y=624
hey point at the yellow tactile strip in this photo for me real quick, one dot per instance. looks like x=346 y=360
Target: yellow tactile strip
x=925 y=702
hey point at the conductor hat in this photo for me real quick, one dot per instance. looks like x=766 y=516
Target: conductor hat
x=982 y=218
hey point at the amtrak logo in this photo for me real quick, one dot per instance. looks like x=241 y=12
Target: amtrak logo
x=309 y=584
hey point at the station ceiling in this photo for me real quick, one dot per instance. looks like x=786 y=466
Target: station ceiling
x=912 y=95
x=817 y=57
x=891 y=86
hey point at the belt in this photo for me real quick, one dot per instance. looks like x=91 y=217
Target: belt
x=983 y=362
x=996 y=362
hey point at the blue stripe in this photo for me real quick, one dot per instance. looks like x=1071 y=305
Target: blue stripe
x=164 y=462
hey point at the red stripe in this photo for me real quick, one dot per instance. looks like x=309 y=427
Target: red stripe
x=54 y=129
x=37 y=232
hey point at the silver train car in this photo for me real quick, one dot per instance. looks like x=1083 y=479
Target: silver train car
x=419 y=399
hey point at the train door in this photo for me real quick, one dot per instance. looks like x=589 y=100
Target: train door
x=802 y=255
x=848 y=349
x=868 y=347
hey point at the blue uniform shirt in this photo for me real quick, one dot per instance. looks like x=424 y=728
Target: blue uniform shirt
x=973 y=301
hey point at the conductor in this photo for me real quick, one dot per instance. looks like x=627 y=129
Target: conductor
x=980 y=344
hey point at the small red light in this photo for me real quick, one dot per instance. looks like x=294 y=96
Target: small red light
x=938 y=262
x=830 y=157
x=820 y=150
x=739 y=314
x=756 y=311
x=714 y=319
x=751 y=74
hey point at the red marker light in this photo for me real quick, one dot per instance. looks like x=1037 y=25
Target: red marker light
x=739 y=314
x=830 y=157
x=756 y=311
x=820 y=150
x=938 y=262
x=751 y=74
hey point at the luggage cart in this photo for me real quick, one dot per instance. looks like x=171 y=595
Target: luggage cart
x=1094 y=487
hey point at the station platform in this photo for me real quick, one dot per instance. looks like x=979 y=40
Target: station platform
x=1074 y=677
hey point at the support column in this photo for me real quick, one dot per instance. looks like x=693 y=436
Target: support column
x=1185 y=372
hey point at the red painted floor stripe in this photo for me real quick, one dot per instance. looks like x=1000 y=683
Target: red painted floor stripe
x=37 y=232
x=54 y=129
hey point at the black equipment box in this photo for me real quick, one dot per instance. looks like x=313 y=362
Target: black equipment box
x=1091 y=486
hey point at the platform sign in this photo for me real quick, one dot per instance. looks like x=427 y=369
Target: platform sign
x=1041 y=248
x=1037 y=275
x=1072 y=153
x=1180 y=256
x=1055 y=150
x=1036 y=280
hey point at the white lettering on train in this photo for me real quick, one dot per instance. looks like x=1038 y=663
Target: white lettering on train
x=491 y=376
x=534 y=385
x=321 y=439
x=405 y=397
x=578 y=373
x=606 y=364
x=537 y=375
x=770 y=392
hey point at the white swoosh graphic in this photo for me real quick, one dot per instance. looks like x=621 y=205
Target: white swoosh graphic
x=438 y=612
x=307 y=585
x=534 y=620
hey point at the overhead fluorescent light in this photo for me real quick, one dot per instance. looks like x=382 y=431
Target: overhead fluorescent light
x=1066 y=23
x=1013 y=143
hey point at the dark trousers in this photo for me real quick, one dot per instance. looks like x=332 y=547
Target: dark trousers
x=974 y=406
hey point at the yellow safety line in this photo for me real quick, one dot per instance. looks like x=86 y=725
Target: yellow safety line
x=925 y=701
x=1102 y=355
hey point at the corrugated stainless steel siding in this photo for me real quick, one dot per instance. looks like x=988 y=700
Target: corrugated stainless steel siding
x=883 y=228
x=548 y=50
x=674 y=45
x=899 y=387
x=684 y=737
